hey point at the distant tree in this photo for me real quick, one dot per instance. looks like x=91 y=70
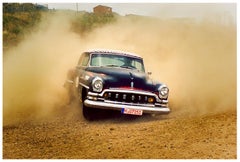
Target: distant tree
x=89 y=21
x=18 y=19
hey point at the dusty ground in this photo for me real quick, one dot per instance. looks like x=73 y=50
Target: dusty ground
x=176 y=136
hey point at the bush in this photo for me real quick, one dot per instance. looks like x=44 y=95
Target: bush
x=88 y=21
x=17 y=22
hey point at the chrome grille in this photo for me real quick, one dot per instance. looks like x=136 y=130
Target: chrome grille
x=129 y=97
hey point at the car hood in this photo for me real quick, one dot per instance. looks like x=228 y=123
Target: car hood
x=116 y=77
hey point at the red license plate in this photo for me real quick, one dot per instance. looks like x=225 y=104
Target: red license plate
x=132 y=111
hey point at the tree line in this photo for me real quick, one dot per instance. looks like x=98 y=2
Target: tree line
x=21 y=18
x=22 y=7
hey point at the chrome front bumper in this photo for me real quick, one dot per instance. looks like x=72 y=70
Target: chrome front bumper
x=116 y=106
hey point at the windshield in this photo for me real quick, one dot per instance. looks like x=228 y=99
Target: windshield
x=113 y=60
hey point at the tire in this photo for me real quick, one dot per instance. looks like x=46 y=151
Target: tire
x=88 y=113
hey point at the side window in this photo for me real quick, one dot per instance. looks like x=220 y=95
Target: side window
x=84 y=59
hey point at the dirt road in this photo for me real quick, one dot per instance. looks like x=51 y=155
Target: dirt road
x=176 y=136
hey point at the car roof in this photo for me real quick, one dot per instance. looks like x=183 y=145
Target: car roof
x=117 y=52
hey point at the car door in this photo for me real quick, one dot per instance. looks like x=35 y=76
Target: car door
x=81 y=70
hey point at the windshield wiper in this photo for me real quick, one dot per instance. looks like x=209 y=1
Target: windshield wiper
x=127 y=67
x=111 y=65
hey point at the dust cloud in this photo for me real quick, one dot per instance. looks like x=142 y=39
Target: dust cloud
x=34 y=72
x=197 y=60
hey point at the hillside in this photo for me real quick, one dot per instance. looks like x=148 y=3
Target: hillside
x=18 y=23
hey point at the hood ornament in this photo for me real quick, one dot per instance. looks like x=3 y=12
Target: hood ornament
x=131 y=76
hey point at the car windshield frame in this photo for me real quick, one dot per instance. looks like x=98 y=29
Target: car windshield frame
x=116 y=60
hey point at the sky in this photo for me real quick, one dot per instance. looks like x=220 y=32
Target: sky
x=190 y=10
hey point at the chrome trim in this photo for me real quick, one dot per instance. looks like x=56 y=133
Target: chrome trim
x=93 y=94
x=84 y=85
x=161 y=105
x=128 y=91
x=159 y=89
x=114 y=52
x=113 y=106
x=128 y=103
x=93 y=82
x=162 y=101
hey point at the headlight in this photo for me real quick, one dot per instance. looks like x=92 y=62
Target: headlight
x=97 y=84
x=163 y=91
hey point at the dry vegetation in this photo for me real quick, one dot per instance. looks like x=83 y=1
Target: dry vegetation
x=20 y=20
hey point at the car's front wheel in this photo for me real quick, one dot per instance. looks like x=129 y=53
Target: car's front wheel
x=88 y=113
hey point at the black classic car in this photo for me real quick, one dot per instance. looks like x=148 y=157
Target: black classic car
x=107 y=79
